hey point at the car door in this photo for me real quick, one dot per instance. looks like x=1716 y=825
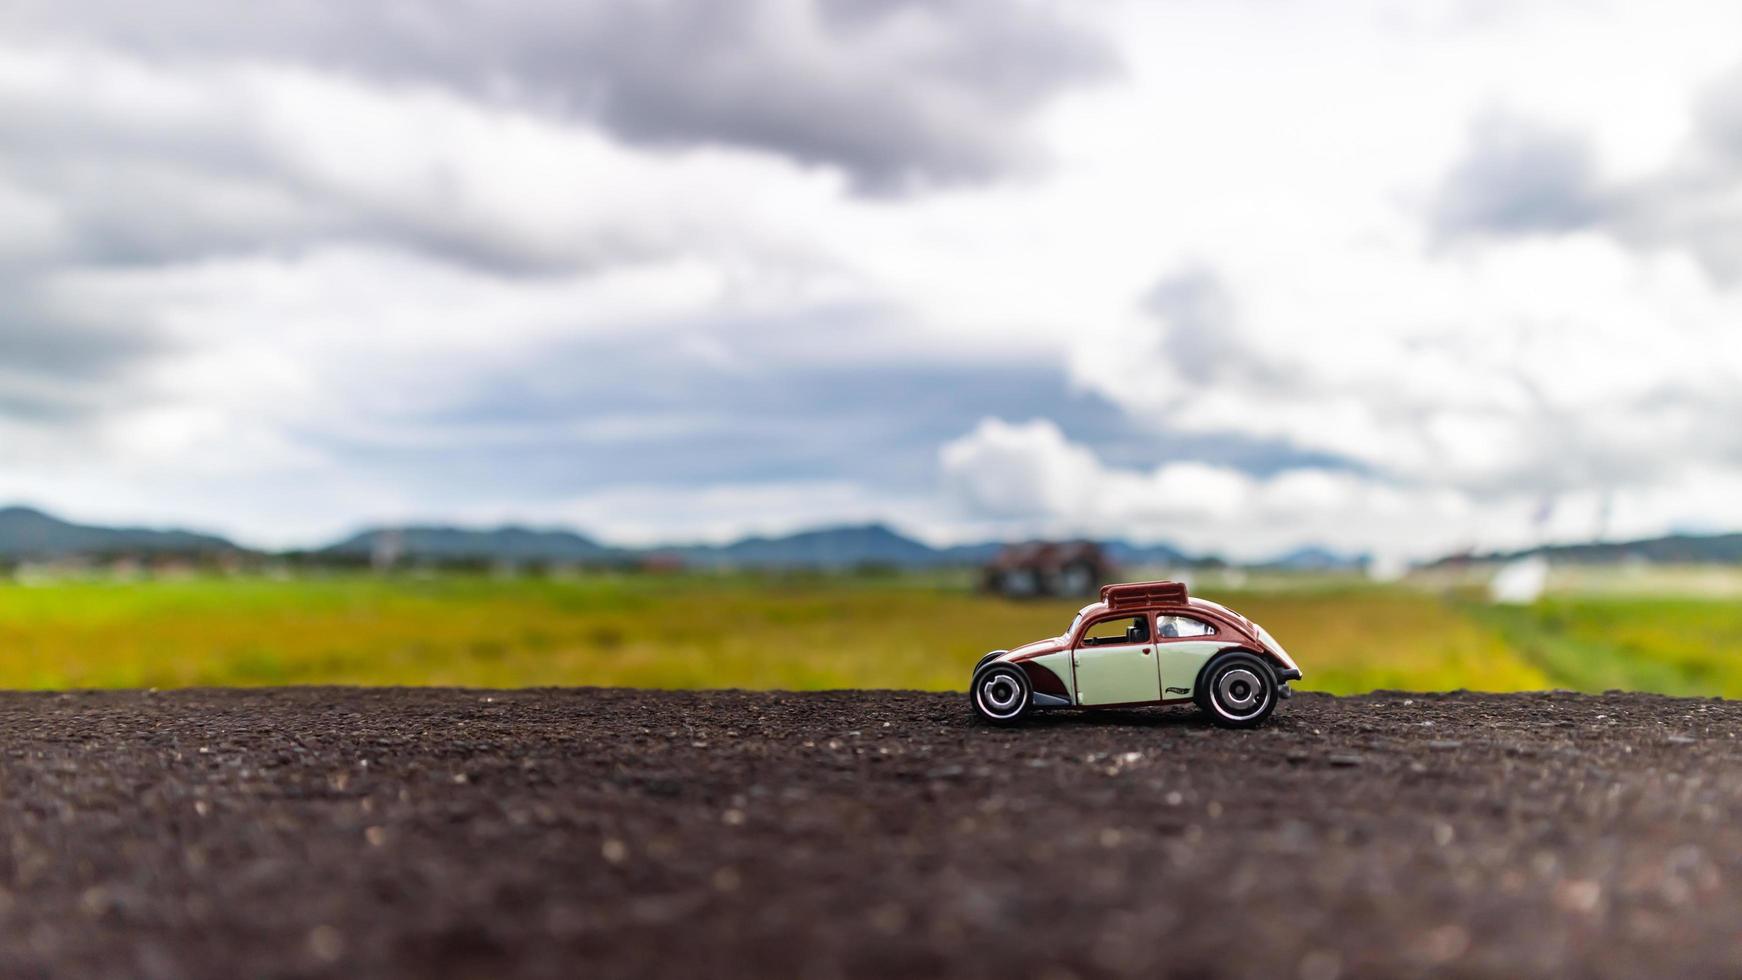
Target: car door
x=1114 y=660
x=1183 y=644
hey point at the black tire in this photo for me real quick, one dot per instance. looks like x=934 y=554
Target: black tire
x=1001 y=694
x=1238 y=690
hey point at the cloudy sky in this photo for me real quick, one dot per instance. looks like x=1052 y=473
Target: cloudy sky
x=1237 y=275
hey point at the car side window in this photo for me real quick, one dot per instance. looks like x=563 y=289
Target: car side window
x=1132 y=629
x=1173 y=627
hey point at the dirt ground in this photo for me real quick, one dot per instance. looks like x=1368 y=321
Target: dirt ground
x=307 y=832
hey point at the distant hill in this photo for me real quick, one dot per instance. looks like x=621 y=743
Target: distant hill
x=510 y=544
x=850 y=546
x=878 y=544
x=970 y=554
x=1674 y=549
x=1315 y=558
x=1129 y=555
x=30 y=534
x=27 y=533
x=834 y=547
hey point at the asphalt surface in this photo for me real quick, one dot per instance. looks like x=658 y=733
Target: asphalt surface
x=416 y=833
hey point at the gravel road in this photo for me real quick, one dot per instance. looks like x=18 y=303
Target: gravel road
x=428 y=832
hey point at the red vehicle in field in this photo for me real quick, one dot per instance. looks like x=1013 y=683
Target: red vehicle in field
x=1143 y=643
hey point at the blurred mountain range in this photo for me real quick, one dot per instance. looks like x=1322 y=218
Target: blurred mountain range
x=830 y=547
x=1673 y=549
x=27 y=534
x=507 y=544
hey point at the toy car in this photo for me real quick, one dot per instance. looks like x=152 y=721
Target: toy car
x=1143 y=643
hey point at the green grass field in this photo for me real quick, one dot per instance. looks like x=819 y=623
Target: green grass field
x=800 y=632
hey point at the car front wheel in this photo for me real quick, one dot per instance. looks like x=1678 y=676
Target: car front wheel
x=1239 y=691
x=1001 y=694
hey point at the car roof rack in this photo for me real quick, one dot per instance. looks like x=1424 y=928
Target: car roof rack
x=1142 y=595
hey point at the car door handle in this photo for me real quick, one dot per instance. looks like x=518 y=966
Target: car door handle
x=1146 y=651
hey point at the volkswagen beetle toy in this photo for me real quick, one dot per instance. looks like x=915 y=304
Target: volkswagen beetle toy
x=1143 y=643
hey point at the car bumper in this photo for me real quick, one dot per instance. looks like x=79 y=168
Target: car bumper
x=1291 y=674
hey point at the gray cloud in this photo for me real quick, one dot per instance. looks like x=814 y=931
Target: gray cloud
x=1522 y=178
x=898 y=94
x=1197 y=315
x=1696 y=202
x=1519 y=178
x=57 y=366
x=1718 y=114
x=129 y=193
x=1201 y=333
x=39 y=342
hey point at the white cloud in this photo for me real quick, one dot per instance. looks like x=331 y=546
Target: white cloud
x=1023 y=477
x=1545 y=367
x=1529 y=366
x=1031 y=475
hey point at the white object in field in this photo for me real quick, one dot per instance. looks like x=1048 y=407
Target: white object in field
x=1383 y=567
x=1520 y=582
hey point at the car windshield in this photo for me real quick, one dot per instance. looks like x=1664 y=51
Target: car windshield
x=1071 y=629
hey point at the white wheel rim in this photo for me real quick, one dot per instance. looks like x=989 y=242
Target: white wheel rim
x=999 y=694
x=1239 y=693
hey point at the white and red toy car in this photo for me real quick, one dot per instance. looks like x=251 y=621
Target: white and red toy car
x=1143 y=643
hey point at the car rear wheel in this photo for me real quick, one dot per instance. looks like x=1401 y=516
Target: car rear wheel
x=1001 y=694
x=1238 y=691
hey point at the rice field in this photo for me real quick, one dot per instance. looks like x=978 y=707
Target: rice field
x=803 y=632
